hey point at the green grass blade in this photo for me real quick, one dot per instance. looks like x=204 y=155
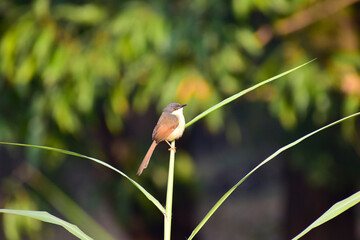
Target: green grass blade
x=146 y=193
x=227 y=194
x=46 y=217
x=237 y=95
x=65 y=205
x=334 y=211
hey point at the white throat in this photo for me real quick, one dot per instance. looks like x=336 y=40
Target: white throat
x=178 y=112
x=178 y=132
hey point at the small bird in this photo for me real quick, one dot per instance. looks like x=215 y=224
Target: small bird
x=169 y=127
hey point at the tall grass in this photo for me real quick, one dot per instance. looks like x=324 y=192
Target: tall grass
x=167 y=211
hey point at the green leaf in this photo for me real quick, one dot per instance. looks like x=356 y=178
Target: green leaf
x=235 y=96
x=334 y=211
x=46 y=217
x=146 y=193
x=248 y=40
x=25 y=71
x=90 y=14
x=290 y=145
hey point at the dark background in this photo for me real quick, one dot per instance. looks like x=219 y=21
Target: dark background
x=93 y=76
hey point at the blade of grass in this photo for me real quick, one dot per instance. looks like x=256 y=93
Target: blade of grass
x=235 y=96
x=46 y=217
x=227 y=194
x=334 y=211
x=146 y=193
x=61 y=202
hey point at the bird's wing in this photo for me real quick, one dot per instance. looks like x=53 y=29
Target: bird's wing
x=165 y=126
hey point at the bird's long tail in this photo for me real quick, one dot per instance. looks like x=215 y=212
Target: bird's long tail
x=147 y=157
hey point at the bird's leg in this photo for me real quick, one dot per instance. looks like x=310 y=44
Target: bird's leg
x=171 y=148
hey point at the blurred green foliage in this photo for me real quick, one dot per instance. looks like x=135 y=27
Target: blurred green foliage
x=65 y=58
x=67 y=67
x=14 y=226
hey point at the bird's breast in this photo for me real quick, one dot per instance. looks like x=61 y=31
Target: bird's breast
x=179 y=130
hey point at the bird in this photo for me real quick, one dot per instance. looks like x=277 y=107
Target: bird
x=170 y=126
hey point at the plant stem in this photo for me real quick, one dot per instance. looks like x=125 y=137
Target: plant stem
x=169 y=195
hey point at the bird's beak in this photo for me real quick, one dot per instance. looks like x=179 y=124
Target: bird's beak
x=184 y=105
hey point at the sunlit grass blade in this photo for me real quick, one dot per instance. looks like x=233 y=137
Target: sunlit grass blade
x=233 y=97
x=334 y=211
x=146 y=193
x=46 y=217
x=227 y=194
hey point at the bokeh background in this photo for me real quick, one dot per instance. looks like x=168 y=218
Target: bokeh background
x=93 y=76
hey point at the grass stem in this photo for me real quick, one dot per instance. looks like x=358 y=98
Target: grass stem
x=169 y=195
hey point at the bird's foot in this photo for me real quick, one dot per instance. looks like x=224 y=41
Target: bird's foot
x=172 y=148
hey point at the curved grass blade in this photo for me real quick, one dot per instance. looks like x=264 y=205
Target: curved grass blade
x=62 y=203
x=334 y=211
x=227 y=194
x=146 y=193
x=237 y=95
x=47 y=217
